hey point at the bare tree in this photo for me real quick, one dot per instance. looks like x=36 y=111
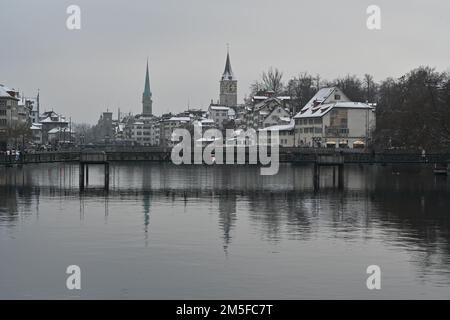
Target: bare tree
x=301 y=89
x=270 y=81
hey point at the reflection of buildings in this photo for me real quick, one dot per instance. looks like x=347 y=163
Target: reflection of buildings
x=409 y=210
x=8 y=204
x=227 y=216
x=16 y=200
x=146 y=205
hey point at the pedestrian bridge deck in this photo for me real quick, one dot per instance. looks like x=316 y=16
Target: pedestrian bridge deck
x=293 y=155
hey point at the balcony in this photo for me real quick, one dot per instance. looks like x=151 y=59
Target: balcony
x=336 y=132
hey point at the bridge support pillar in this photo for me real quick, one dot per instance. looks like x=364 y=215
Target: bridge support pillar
x=106 y=176
x=316 y=176
x=341 y=176
x=81 y=171
x=87 y=174
x=334 y=176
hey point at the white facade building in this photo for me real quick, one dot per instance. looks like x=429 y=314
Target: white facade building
x=286 y=137
x=36 y=133
x=331 y=120
x=220 y=114
x=167 y=127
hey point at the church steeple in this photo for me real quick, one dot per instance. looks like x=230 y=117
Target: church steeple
x=147 y=83
x=228 y=85
x=228 y=72
x=147 y=95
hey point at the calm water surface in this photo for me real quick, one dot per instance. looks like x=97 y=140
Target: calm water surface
x=199 y=232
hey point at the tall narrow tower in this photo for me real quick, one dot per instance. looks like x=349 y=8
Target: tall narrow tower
x=228 y=85
x=147 y=96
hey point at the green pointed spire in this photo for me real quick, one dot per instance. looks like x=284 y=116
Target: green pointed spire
x=147 y=92
x=147 y=102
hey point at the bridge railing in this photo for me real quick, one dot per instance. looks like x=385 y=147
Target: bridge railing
x=93 y=157
x=288 y=154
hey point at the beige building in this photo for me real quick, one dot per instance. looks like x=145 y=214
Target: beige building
x=220 y=114
x=168 y=126
x=12 y=115
x=331 y=120
x=286 y=137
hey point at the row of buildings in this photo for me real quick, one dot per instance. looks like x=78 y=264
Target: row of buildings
x=330 y=119
x=22 y=125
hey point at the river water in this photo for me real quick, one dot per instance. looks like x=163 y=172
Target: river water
x=223 y=232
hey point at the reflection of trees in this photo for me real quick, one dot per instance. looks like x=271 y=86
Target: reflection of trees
x=266 y=213
x=414 y=208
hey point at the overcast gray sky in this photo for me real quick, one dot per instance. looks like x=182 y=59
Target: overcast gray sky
x=81 y=73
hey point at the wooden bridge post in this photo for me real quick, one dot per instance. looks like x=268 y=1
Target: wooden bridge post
x=341 y=176
x=334 y=176
x=106 y=176
x=316 y=176
x=81 y=181
x=87 y=174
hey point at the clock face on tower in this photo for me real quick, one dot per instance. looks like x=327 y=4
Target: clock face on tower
x=228 y=87
x=228 y=92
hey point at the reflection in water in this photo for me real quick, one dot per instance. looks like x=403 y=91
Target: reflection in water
x=379 y=215
x=227 y=217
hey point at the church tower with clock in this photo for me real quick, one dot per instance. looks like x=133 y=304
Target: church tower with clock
x=228 y=86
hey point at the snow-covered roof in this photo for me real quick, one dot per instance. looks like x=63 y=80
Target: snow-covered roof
x=33 y=102
x=323 y=109
x=207 y=139
x=36 y=126
x=285 y=119
x=58 y=119
x=319 y=97
x=219 y=108
x=60 y=130
x=4 y=93
x=263 y=103
x=280 y=127
x=180 y=119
